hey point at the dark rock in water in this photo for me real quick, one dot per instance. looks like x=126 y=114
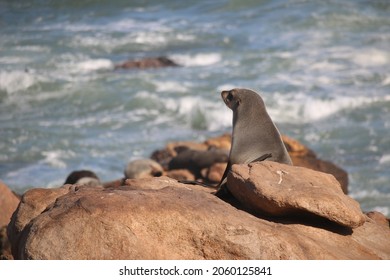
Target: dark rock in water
x=153 y=62
x=82 y=177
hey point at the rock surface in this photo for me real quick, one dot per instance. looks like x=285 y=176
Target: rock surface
x=159 y=218
x=283 y=190
x=8 y=203
x=300 y=155
x=303 y=156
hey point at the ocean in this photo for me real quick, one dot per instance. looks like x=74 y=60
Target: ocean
x=322 y=67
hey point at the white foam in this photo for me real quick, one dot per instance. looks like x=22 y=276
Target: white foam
x=171 y=86
x=371 y=57
x=226 y=87
x=386 y=81
x=16 y=80
x=55 y=158
x=325 y=66
x=385 y=159
x=201 y=59
x=302 y=108
x=70 y=66
x=94 y=65
x=364 y=194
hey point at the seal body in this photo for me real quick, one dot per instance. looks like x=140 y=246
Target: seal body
x=254 y=137
x=254 y=133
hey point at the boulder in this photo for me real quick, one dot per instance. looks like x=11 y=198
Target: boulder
x=223 y=141
x=159 y=218
x=196 y=160
x=8 y=203
x=283 y=190
x=5 y=246
x=215 y=172
x=180 y=174
x=299 y=153
x=303 y=156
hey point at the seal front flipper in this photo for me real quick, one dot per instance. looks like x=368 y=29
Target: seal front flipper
x=190 y=182
x=262 y=158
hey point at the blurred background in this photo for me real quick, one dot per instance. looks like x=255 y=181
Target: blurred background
x=322 y=67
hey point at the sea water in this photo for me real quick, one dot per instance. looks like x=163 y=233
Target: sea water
x=322 y=67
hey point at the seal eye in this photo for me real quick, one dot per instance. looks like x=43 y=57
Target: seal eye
x=229 y=97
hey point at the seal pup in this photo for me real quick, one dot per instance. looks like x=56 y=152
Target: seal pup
x=83 y=177
x=255 y=136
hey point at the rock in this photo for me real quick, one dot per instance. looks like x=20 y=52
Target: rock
x=303 y=156
x=153 y=62
x=196 y=160
x=174 y=148
x=223 y=142
x=32 y=204
x=143 y=168
x=172 y=221
x=5 y=246
x=8 y=203
x=215 y=172
x=282 y=190
x=299 y=153
x=379 y=218
x=180 y=174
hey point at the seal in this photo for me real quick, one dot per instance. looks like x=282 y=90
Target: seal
x=83 y=177
x=255 y=136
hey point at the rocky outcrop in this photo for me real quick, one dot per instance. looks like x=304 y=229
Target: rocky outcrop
x=8 y=203
x=204 y=160
x=159 y=218
x=303 y=156
x=152 y=62
x=282 y=190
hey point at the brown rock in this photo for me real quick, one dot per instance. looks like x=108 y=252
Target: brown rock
x=282 y=190
x=174 y=222
x=8 y=203
x=303 y=156
x=153 y=62
x=215 y=172
x=5 y=246
x=196 y=160
x=180 y=174
x=174 y=148
x=379 y=218
x=32 y=204
x=295 y=148
x=221 y=142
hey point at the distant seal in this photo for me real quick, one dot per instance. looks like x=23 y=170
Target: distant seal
x=255 y=136
x=83 y=177
x=143 y=168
